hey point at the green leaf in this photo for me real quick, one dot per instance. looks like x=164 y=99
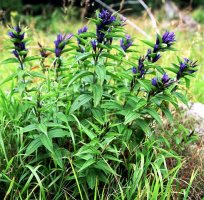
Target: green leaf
x=88 y=132
x=88 y=34
x=80 y=101
x=155 y=115
x=9 y=78
x=112 y=105
x=101 y=73
x=36 y=74
x=145 y=84
x=103 y=46
x=144 y=126
x=47 y=142
x=61 y=116
x=167 y=114
x=57 y=157
x=83 y=56
x=98 y=115
x=110 y=157
x=97 y=94
x=50 y=49
x=181 y=97
x=10 y=60
x=141 y=103
x=58 y=133
x=79 y=75
x=32 y=58
x=104 y=166
x=107 y=55
x=29 y=128
x=42 y=192
x=151 y=44
x=91 y=178
x=87 y=164
x=43 y=128
x=130 y=116
x=33 y=146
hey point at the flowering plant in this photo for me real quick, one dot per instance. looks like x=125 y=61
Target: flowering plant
x=92 y=106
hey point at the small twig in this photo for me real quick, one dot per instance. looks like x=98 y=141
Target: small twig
x=124 y=3
x=154 y=24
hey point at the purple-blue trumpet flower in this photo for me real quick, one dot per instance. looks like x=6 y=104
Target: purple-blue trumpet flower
x=140 y=70
x=94 y=44
x=80 y=44
x=168 y=38
x=161 y=82
x=152 y=57
x=186 y=67
x=83 y=30
x=165 y=78
x=126 y=42
x=154 y=81
x=60 y=43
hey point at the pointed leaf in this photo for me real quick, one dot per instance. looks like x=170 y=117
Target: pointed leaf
x=97 y=94
x=80 y=101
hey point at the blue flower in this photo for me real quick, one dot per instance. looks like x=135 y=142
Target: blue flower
x=94 y=44
x=83 y=30
x=168 y=38
x=11 y=34
x=162 y=82
x=156 y=48
x=134 y=70
x=60 y=43
x=15 y=53
x=106 y=17
x=154 y=81
x=152 y=57
x=80 y=45
x=165 y=78
x=17 y=29
x=140 y=70
x=186 y=67
x=126 y=42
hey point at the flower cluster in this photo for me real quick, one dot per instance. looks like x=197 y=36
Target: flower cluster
x=153 y=55
x=105 y=20
x=60 y=43
x=17 y=36
x=161 y=82
x=162 y=43
x=80 y=45
x=186 y=67
x=166 y=41
x=126 y=42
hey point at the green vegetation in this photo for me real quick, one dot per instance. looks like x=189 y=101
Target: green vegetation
x=90 y=117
